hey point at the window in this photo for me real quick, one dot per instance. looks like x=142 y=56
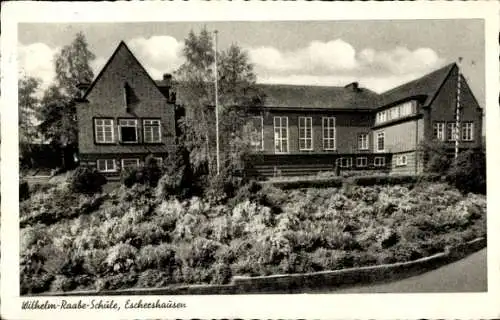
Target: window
x=104 y=132
x=106 y=165
x=467 y=131
x=379 y=162
x=257 y=134
x=361 y=162
x=344 y=162
x=129 y=163
x=152 y=131
x=128 y=130
x=305 y=133
x=439 y=130
x=394 y=113
x=382 y=116
x=363 y=141
x=281 y=134
x=451 y=131
x=406 y=108
x=401 y=160
x=329 y=133
x=380 y=142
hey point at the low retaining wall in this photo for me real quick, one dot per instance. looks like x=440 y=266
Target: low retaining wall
x=294 y=283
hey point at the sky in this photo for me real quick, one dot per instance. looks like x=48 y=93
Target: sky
x=379 y=54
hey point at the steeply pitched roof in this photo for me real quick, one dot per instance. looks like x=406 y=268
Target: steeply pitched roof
x=427 y=87
x=121 y=46
x=317 y=97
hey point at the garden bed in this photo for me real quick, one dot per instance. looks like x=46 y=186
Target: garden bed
x=130 y=238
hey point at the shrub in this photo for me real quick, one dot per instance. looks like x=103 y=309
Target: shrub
x=86 y=180
x=315 y=183
x=384 y=180
x=225 y=185
x=435 y=157
x=24 y=190
x=468 y=172
x=177 y=179
x=147 y=174
x=121 y=257
x=130 y=177
x=161 y=257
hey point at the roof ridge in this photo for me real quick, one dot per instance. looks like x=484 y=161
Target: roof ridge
x=427 y=85
x=449 y=65
x=106 y=65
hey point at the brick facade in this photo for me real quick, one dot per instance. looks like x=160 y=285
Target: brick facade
x=106 y=98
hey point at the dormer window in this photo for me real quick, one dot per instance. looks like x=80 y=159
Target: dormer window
x=128 y=130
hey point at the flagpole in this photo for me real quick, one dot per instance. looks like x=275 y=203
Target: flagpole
x=216 y=105
x=457 y=115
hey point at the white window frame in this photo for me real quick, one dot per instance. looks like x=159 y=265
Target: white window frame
x=451 y=127
x=439 y=131
x=331 y=131
x=467 y=131
x=382 y=116
x=348 y=163
x=401 y=160
x=107 y=168
x=377 y=134
x=128 y=125
x=363 y=141
x=380 y=163
x=303 y=134
x=278 y=139
x=130 y=159
x=99 y=124
x=361 y=165
x=148 y=123
x=260 y=145
x=394 y=113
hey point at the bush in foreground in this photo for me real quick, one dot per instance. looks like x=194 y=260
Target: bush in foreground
x=468 y=172
x=86 y=180
x=133 y=239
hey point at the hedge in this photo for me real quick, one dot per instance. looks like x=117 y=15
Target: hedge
x=335 y=182
x=369 y=180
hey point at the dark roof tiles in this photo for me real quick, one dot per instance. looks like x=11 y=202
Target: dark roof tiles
x=317 y=97
x=427 y=86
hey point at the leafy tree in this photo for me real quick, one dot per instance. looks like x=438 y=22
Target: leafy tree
x=57 y=115
x=28 y=103
x=73 y=66
x=468 y=172
x=236 y=89
x=435 y=156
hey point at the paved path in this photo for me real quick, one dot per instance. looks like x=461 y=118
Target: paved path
x=466 y=275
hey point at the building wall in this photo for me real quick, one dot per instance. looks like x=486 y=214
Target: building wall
x=401 y=137
x=413 y=163
x=443 y=107
x=106 y=99
x=348 y=127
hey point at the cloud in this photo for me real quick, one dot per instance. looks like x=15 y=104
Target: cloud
x=159 y=54
x=333 y=55
x=337 y=62
x=400 y=60
x=37 y=60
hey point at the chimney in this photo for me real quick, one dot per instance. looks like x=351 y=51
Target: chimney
x=82 y=88
x=353 y=85
x=167 y=79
